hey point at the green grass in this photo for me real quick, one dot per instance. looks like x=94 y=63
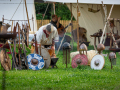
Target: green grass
x=62 y=78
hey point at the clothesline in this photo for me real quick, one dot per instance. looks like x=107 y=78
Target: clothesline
x=16 y=20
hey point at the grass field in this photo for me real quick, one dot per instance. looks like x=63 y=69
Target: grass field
x=62 y=78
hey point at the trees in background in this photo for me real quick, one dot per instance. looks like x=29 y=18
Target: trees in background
x=61 y=10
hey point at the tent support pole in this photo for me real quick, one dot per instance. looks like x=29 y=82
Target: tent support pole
x=77 y=29
x=54 y=7
x=71 y=16
x=105 y=18
x=27 y=15
x=12 y=27
x=106 y=24
x=71 y=25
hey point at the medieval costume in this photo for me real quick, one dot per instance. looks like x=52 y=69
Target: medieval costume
x=48 y=40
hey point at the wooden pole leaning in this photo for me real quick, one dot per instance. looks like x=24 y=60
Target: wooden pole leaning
x=27 y=15
x=19 y=45
x=110 y=28
x=106 y=24
x=77 y=29
x=12 y=27
x=54 y=7
x=71 y=25
x=105 y=19
x=32 y=46
x=71 y=17
x=113 y=38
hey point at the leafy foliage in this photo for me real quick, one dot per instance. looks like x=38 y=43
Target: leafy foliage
x=39 y=16
x=40 y=10
x=63 y=12
x=60 y=9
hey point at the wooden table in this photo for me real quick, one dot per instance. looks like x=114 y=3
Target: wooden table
x=96 y=36
x=114 y=49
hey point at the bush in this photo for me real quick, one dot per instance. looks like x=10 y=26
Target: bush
x=61 y=11
x=39 y=16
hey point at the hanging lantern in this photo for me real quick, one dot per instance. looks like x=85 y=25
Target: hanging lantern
x=66 y=53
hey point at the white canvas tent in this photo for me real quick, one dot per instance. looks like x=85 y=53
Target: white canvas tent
x=117 y=2
x=15 y=10
x=89 y=20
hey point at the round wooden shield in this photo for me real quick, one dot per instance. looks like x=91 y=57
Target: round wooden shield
x=46 y=56
x=5 y=60
x=79 y=60
x=35 y=61
x=97 y=62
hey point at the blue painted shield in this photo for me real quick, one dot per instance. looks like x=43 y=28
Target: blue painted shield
x=35 y=61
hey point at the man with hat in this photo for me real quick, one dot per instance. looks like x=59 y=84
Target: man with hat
x=47 y=35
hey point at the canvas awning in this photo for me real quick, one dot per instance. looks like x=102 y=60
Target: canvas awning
x=117 y=2
x=15 y=10
x=89 y=20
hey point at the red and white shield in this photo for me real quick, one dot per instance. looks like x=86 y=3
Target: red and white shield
x=83 y=60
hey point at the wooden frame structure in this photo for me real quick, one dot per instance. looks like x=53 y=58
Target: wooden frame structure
x=108 y=18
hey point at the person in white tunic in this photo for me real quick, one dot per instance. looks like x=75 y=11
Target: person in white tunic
x=47 y=35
